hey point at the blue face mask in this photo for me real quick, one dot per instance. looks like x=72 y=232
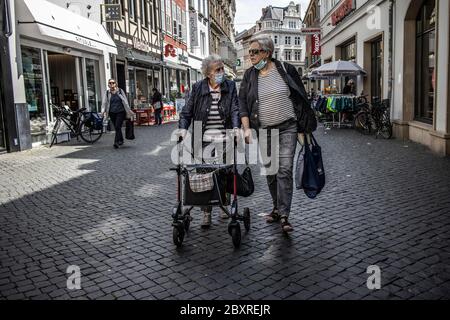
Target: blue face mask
x=260 y=65
x=219 y=78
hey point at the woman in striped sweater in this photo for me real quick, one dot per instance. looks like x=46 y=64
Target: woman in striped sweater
x=272 y=97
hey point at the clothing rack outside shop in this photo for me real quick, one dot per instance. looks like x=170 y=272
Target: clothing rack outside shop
x=336 y=104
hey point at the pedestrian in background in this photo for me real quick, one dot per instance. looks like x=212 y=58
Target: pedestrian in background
x=214 y=102
x=157 y=105
x=115 y=105
x=272 y=97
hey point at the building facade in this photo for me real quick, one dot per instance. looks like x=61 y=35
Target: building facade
x=221 y=16
x=358 y=31
x=313 y=46
x=9 y=134
x=284 y=26
x=198 y=37
x=175 y=48
x=137 y=66
x=243 y=57
x=421 y=105
x=57 y=57
x=403 y=46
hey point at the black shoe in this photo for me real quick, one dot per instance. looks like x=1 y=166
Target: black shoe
x=120 y=143
x=116 y=146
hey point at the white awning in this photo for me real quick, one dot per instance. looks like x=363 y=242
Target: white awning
x=42 y=19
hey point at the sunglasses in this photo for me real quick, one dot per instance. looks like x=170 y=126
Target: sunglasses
x=112 y=83
x=254 y=52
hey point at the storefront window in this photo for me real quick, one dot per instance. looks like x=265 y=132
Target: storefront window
x=156 y=80
x=32 y=74
x=348 y=52
x=93 y=85
x=131 y=88
x=141 y=87
x=376 y=72
x=426 y=62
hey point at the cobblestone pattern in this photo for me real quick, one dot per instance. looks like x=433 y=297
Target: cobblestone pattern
x=108 y=211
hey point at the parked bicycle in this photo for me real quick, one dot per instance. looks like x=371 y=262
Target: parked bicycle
x=87 y=125
x=374 y=118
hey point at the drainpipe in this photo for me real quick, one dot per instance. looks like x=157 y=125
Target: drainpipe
x=391 y=50
x=161 y=40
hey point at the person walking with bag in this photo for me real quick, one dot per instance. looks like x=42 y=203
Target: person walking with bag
x=115 y=105
x=157 y=105
x=214 y=102
x=272 y=97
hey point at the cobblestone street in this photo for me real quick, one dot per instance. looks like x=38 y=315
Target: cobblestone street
x=386 y=203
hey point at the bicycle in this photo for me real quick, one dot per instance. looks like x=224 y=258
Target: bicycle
x=374 y=117
x=87 y=125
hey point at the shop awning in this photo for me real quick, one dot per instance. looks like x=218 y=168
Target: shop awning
x=42 y=19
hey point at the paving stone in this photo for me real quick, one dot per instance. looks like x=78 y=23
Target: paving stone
x=383 y=204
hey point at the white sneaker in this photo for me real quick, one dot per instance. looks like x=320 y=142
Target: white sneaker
x=206 y=220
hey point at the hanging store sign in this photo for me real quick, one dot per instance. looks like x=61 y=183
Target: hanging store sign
x=193 y=28
x=141 y=45
x=113 y=12
x=315 y=45
x=343 y=11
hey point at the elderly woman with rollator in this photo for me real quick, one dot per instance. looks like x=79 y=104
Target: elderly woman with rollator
x=272 y=97
x=213 y=102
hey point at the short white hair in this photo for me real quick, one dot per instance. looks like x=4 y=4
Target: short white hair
x=265 y=42
x=208 y=62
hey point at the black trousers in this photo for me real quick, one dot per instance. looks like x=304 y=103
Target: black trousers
x=117 y=121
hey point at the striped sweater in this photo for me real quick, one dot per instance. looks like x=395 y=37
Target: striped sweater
x=275 y=106
x=215 y=130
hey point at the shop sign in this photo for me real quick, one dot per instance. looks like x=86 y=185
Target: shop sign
x=113 y=12
x=141 y=45
x=343 y=11
x=169 y=50
x=315 y=45
x=183 y=58
x=84 y=42
x=194 y=28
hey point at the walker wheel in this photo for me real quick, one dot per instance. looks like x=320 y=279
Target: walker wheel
x=236 y=235
x=246 y=217
x=178 y=234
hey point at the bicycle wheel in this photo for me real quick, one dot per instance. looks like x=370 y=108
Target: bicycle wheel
x=386 y=127
x=55 y=132
x=89 y=134
x=362 y=122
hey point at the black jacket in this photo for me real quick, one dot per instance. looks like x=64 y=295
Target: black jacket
x=199 y=104
x=157 y=98
x=249 y=103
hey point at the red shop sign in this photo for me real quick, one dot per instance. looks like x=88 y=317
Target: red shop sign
x=315 y=45
x=344 y=9
x=170 y=51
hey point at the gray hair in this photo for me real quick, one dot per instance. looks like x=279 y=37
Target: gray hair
x=208 y=61
x=266 y=44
